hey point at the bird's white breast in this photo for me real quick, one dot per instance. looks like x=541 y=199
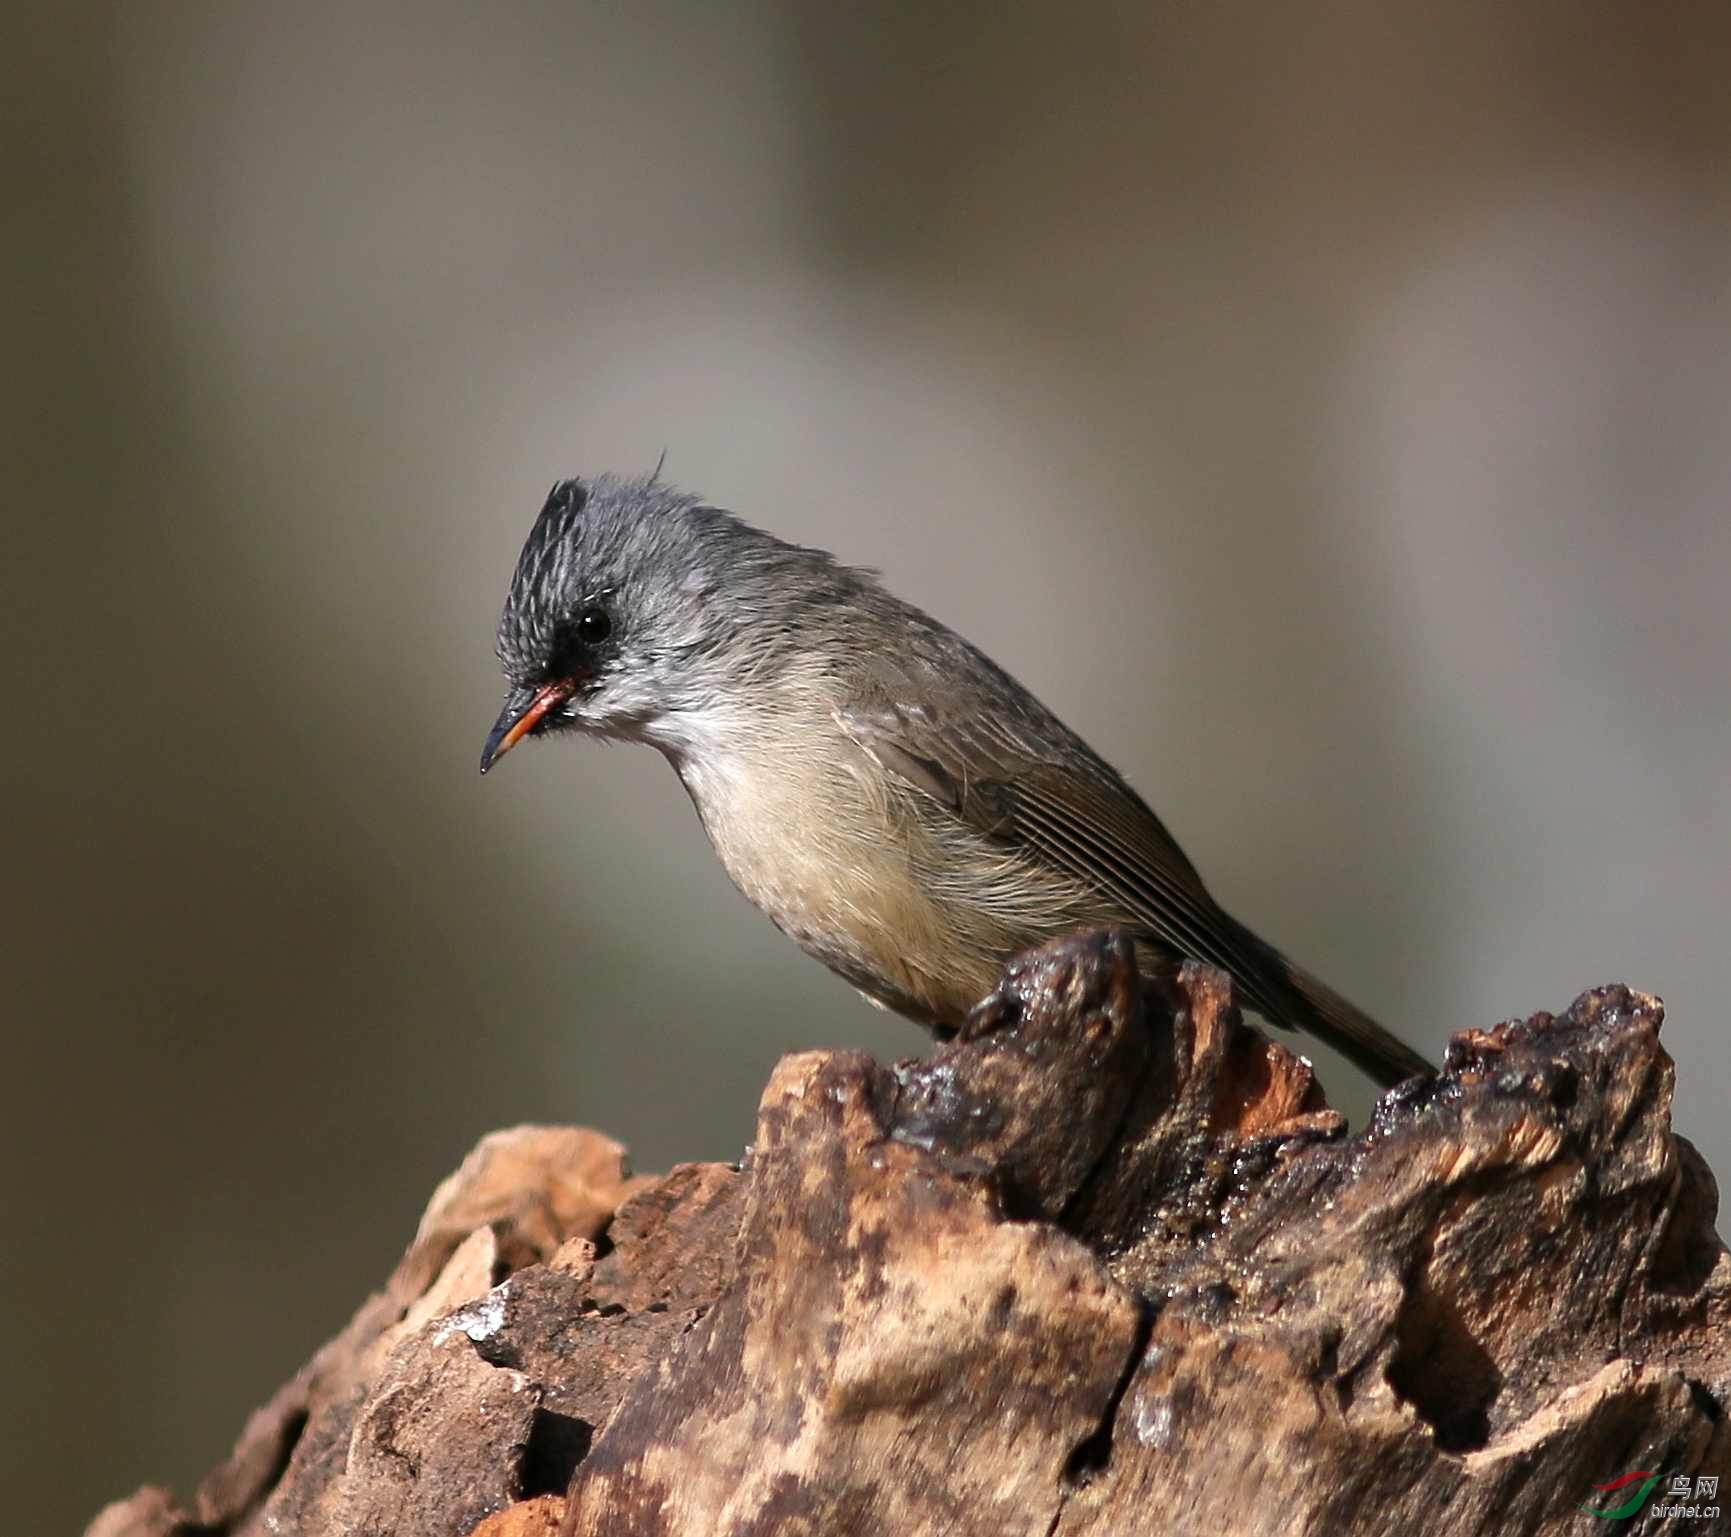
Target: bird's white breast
x=811 y=831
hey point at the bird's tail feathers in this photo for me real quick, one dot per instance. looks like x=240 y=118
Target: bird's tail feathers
x=1289 y=996
x=1347 y=1028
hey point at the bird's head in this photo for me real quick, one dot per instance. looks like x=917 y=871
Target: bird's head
x=640 y=612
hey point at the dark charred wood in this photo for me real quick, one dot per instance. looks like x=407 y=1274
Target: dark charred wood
x=1104 y=1263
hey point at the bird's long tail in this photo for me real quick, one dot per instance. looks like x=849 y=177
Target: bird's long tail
x=1352 y=1032
x=1314 y=1007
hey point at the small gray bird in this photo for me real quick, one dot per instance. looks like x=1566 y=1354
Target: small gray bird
x=894 y=800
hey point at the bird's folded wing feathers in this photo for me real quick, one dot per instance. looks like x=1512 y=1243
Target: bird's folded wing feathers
x=1073 y=816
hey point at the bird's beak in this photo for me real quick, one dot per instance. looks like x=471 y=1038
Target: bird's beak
x=523 y=712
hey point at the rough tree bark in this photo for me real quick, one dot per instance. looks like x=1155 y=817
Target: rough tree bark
x=1107 y=1263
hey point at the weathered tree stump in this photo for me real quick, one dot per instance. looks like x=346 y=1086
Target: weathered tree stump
x=1106 y=1264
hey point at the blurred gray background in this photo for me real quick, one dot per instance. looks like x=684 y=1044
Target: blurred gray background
x=1326 y=408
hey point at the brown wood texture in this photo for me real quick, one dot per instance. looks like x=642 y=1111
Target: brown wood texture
x=1105 y=1264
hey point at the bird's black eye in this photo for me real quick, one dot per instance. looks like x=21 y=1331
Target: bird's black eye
x=593 y=626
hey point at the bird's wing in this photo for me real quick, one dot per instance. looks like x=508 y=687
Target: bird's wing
x=1021 y=784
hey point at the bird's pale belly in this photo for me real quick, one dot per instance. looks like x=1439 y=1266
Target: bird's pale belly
x=852 y=887
x=872 y=889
